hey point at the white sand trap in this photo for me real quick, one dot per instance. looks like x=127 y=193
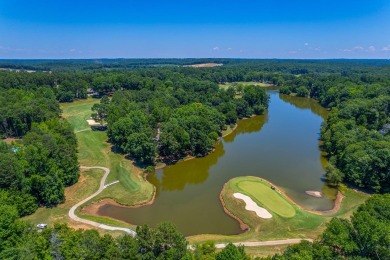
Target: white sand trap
x=252 y=206
x=92 y=122
x=314 y=193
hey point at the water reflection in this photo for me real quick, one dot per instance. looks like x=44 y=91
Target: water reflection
x=280 y=146
x=305 y=103
x=246 y=126
x=176 y=177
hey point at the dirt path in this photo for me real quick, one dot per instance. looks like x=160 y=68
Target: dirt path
x=267 y=243
x=73 y=216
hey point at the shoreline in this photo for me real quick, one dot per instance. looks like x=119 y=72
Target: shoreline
x=187 y=158
x=245 y=227
x=93 y=208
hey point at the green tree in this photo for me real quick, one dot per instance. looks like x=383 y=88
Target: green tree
x=232 y=252
x=333 y=175
x=141 y=147
x=302 y=91
x=101 y=110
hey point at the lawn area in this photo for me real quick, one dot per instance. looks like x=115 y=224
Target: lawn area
x=229 y=84
x=281 y=226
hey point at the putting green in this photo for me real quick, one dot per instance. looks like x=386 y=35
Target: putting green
x=261 y=192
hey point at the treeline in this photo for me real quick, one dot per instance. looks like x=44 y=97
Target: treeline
x=171 y=121
x=40 y=165
x=357 y=92
x=355 y=135
x=276 y=65
x=20 y=109
x=20 y=240
x=150 y=73
x=365 y=236
x=39 y=159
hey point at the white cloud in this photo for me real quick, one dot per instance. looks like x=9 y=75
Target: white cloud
x=72 y=50
x=306 y=44
x=386 y=48
x=371 y=48
x=229 y=49
x=216 y=48
x=356 y=48
x=293 y=52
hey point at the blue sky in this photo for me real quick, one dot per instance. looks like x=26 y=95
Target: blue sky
x=186 y=28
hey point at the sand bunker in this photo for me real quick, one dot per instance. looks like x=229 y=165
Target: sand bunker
x=252 y=206
x=92 y=122
x=313 y=193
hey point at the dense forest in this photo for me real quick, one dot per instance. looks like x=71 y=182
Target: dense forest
x=162 y=99
x=189 y=117
x=159 y=110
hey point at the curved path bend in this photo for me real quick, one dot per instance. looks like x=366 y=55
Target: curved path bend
x=102 y=186
x=73 y=216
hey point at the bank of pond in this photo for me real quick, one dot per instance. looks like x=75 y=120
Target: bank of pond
x=281 y=146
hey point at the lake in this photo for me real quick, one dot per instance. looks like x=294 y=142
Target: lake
x=281 y=146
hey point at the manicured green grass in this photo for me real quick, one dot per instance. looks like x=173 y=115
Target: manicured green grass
x=78 y=112
x=266 y=197
x=278 y=227
x=94 y=150
x=302 y=225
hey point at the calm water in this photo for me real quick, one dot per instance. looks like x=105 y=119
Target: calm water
x=281 y=146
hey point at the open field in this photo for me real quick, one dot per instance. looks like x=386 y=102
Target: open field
x=229 y=84
x=303 y=224
x=204 y=65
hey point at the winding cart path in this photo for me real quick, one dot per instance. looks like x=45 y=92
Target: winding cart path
x=102 y=186
x=73 y=216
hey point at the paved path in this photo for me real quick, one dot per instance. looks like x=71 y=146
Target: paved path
x=73 y=216
x=267 y=243
x=112 y=183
